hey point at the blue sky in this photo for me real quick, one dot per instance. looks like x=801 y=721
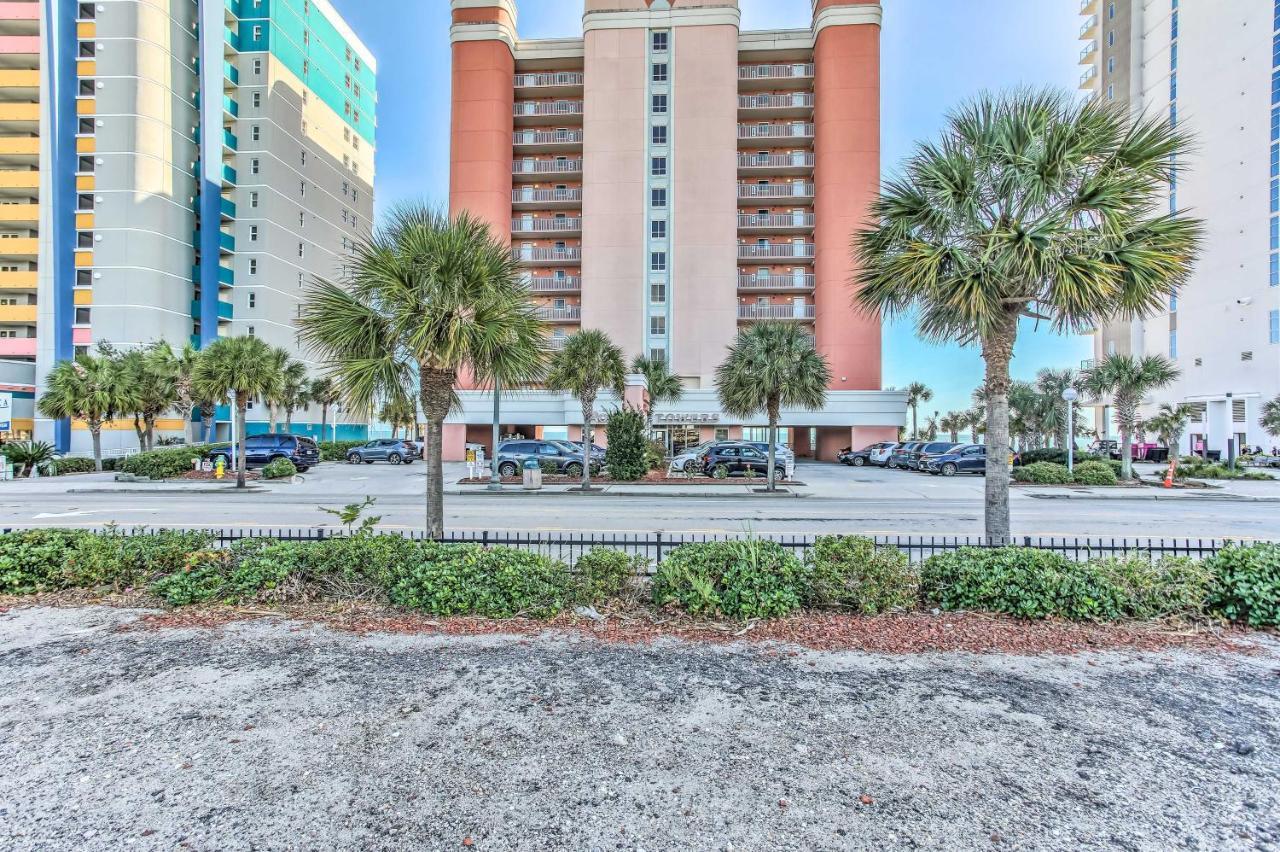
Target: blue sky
x=936 y=53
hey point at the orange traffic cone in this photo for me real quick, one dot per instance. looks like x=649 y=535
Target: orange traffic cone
x=1168 y=478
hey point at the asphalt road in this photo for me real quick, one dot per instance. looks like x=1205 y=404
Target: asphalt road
x=842 y=500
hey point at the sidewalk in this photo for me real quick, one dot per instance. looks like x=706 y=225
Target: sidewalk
x=616 y=490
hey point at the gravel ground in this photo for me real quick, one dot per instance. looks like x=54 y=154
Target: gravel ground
x=272 y=734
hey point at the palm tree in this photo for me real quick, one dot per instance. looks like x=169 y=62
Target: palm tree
x=1032 y=204
x=661 y=385
x=325 y=393
x=295 y=391
x=588 y=362
x=771 y=365
x=976 y=420
x=399 y=412
x=92 y=388
x=427 y=298
x=1270 y=420
x=952 y=422
x=917 y=392
x=244 y=365
x=1128 y=380
x=152 y=378
x=185 y=399
x=1169 y=424
x=1052 y=384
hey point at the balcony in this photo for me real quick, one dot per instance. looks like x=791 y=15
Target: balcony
x=18 y=313
x=554 y=344
x=569 y=313
x=561 y=225
x=787 y=251
x=775 y=76
x=528 y=198
x=769 y=134
x=231 y=40
x=534 y=254
x=1088 y=7
x=546 y=112
x=524 y=170
x=795 y=191
x=775 y=222
x=230 y=106
x=227 y=208
x=548 y=83
x=547 y=141
x=23 y=280
x=795 y=163
x=1090 y=27
x=19 y=179
x=19 y=246
x=226 y=310
x=226 y=243
x=21 y=347
x=798 y=312
x=229 y=140
x=226 y=275
x=794 y=104
x=1087 y=53
x=1089 y=79
x=230 y=74
x=553 y=284
x=19 y=111
x=20 y=146
x=20 y=215
x=228 y=176
x=775 y=282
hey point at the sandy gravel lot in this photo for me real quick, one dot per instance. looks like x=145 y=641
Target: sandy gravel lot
x=272 y=734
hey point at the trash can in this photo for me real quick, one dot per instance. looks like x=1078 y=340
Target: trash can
x=532 y=475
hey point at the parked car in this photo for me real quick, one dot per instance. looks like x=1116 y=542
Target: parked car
x=900 y=454
x=737 y=458
x=782 y=453
x=876 y=454
x=260 y=450
x=690 y=461
x=919 y=458
x=392 y=450
x=597 y=452
x=966 y=458
x=513 y=454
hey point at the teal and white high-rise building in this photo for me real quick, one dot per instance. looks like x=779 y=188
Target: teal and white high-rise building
x=203 y=160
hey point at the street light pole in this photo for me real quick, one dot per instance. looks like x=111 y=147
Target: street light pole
x=1071 y=395
x=495 y=480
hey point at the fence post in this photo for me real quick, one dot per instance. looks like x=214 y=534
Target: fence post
x=658 y=561
x=484 y=539
x=1026 y=541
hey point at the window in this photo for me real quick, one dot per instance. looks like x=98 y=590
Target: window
x=252 y=333
x=82 y=316
x=257 y=99
x=253 y=199
x=87 y=12
x=253 y=300
x=84 y=278
x=658 y=167
x=86 y=88
x=257 y=67
x=86 y=127
x=302 y=218
x=1111 y=92
x=304 y=157
x=84 y=164
x=253 y=233
x=84 y=239
x=660 y=41
x=657 y=261
x=1111 y=65
x=658 y=326
x=659 y=104
x=658 y=197
x=1274 y=319
x=1111 y=39
x=660 y=134
x=1111 y=11
x=659 y=72
x=302 y=188
x=658 y=293
x=255 y=133
x=84 y=202
x=658 y=229
x=255 y=166
x=661 y=355
x=1173 y=343
x=302 y=250
x=87 y=50
x=253 y=266
x=257 y=33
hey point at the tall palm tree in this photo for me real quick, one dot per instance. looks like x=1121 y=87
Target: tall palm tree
x=771 y=365
x=588 y=363
x=151 y=375
x=661 y=385
x=295 y=391
x=92 y=388
x=427 y=299
x=1032 y=204
x=976 y=421
x=244 y=365
x=917 y=392
x=1169 y=423
x=325 y=393
x=1128 y=380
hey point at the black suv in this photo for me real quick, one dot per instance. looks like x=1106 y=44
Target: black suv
x=920 y=456
x=261 y=450
x=736 y=459
x=513 y=454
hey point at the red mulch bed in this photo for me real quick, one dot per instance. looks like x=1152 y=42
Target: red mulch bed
x=909 y=633
x=228 y=476
x=652 y=478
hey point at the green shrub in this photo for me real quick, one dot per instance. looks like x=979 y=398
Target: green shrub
x=1158 y=588
x=548 y=467
x=605 y=574
x=279 y=469
x=625 y=455
x=1043 y=473
x=1054 y=455
x=120 y=561
x=202 y=579
x=73 y=464
x=337 y=450
x=1095 y=473
x=850 y=573
x=1199 y=469
x=1248 y=584
x=32 y=561
x=655 y=455
x=164 y=464
x=466 y=579
x=752 y=578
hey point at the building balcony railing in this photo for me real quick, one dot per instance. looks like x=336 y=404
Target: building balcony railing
x=1090 y=27
x=534 y=254
x=775 y=190
x=1089 y=79
x=781 y=132
x=798 y=312
x=546 y=137
x=779 y=250
x=554 y=344
x=797 y=71
x=550 y=109
x=1087 y=53
x=569 y=313
x=796 y=160
x=549 y=79
x=558 y=225
x=546 y=167
x=792 y=100
x=775 y=282
x=530 y=197
x=1088 y=7
x=775 y=221
x=567 y=284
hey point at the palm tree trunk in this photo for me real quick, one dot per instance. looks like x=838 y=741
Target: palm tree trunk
x=189 y=426
x=95 y=430
x=141 y=433
x=242 y=406
x=271 y=417
x=288 y=420
x=208 y=414
x=588 y=407
x=997 y=352
x=150 y=422
x=324 y=420
x=775 y=406
x=436 y=392
x=915 y=426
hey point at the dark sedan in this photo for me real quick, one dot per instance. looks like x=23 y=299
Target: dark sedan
x=971 y=458
x=901 y=455
x=513 y=454
x=921 y=455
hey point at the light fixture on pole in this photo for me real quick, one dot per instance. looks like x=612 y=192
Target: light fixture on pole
x=1070 y=395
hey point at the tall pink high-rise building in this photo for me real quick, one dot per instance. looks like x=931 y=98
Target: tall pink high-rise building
x=670 y=179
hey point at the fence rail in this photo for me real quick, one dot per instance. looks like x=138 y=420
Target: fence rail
x=655 y=546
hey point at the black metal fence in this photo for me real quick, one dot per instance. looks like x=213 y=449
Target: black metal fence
x=654 y=546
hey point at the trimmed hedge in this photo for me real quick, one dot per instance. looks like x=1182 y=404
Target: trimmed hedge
x=1095 y=473
x=165 y=464
x=1043 y=473
x=750 y=578
x=848 y=572
x=73 y=464
x=337 y=450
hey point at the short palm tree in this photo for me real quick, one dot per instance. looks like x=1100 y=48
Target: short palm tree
x=1127 y=380
x=245 y=366
x=400 y=412
x=326 y=394
x=917 y=392
x=152 y=376
x=1032 y=204
x=661 y=385
x=427 y=299
x=588 y=363
x=1270 y=420
x=1169 y=424
x=295 y=391
x=952 y=422
x=771 y=365
x=92 y=388
x=185 y=399
x=1052 y=384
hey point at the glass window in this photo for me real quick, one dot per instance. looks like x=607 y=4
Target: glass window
x=659 y=72
x=658 y=293
x=658 y=229
x=659 y=104
x=658 y=326
x=658 y=261
x=660 y=41
x=659 y=134
x=658 y=167
x=82 y=316
x=1274 y=318
x=659 y=197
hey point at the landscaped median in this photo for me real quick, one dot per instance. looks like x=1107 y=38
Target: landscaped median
x=841 y=583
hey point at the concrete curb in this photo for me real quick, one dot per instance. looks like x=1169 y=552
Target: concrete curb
x=609 y=491
x=163 y=489
x=1222 y=498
